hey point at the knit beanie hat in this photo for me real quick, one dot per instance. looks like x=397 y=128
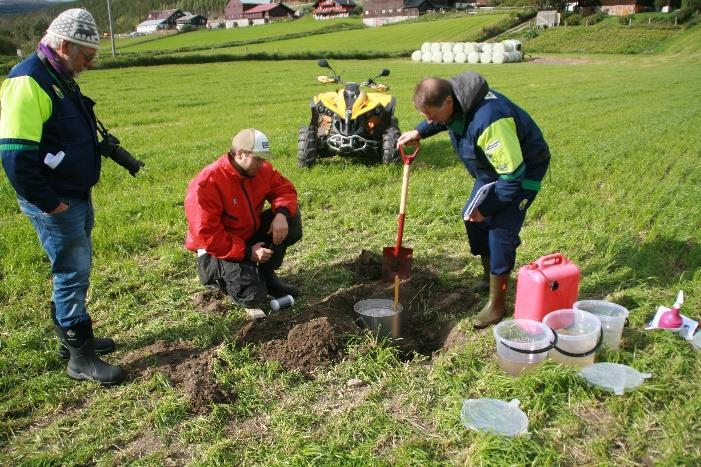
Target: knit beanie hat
x=76 y=26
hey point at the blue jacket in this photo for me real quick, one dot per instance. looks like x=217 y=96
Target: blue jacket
x=48 y=135
x=495 y=139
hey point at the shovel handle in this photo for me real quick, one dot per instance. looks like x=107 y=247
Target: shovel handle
x=409 y=158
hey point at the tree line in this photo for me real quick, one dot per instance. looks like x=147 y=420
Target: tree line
x=24 y=30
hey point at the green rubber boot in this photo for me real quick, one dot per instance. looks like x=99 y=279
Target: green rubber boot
x=495 y=309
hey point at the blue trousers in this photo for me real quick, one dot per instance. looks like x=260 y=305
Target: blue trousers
x=498 y=235
x=66 y=239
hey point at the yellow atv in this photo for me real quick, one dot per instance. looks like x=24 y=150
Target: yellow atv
x=350 y=121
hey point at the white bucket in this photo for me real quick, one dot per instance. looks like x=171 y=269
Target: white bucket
x=522 y=344
x=578 y=336
x=612 y=316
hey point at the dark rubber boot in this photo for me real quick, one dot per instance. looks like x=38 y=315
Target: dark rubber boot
x=103 y=345
x=494 y=310
x=278 y=288
x=483 y=284
x=83 y=363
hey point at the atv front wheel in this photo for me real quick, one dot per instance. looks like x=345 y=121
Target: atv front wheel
x=306 y=146
x=390 y=154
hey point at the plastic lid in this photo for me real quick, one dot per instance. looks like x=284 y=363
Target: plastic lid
x=696 y=340
x=494 y=416
x=614 y=377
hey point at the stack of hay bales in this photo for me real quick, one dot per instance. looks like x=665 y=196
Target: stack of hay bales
x=507 y=51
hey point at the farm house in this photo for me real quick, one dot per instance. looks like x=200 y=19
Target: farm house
x=326 y=9
x=159 y=20
x=379 y=12
x=267 y=12
x=190 y=21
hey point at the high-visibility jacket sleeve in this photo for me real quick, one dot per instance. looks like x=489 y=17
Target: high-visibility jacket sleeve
x=500 y=144
x=24 y=108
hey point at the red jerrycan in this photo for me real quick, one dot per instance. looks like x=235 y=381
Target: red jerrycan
x=550 y=283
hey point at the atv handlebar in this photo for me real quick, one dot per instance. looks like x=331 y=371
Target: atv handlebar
x=337 y=79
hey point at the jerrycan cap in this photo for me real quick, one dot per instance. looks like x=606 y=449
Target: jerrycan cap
x=614 y=377
x=494 y=416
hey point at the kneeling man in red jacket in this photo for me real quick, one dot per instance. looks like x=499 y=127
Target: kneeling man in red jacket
x=240 y=244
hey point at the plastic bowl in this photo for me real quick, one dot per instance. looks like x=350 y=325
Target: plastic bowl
x=521 y=344
x=612 y=316
x=578 y=336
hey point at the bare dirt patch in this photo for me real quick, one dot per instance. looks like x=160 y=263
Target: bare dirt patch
x=317 y=336
x=189 y=369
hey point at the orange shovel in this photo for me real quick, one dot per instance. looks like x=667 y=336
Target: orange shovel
x=397 y=259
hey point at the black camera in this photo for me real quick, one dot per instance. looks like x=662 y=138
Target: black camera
x=109 y=147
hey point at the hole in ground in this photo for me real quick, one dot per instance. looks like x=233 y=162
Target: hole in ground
x=317 y=335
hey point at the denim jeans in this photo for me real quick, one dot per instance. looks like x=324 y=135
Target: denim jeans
x=66 y=240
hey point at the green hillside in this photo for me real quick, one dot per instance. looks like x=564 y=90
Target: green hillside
x=219 y=37
x=606 y=37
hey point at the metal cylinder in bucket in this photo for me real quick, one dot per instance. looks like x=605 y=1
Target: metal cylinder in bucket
x=380 y=317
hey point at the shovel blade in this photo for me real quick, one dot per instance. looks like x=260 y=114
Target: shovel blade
x=399 y=264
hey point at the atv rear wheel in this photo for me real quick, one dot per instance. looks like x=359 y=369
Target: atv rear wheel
x=306 y=146
x=390 y=154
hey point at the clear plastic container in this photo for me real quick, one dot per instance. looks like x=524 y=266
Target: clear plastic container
x=578 y=336
x=494 y=416
x=522 y=344
x=614 y=377
x=612 y=316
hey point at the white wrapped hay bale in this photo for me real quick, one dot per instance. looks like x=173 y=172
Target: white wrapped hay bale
x=458 y=47
x=498 y=48
x=436 y=57
x=446 y=47
x=488 y=47
x=499 y=58
x=426 y=56
x=416 y=56
x=473 y=57
x=460 y=57
x=470 y=47
x=426 y=47
x=486 y=57
x=506 y=57
x=435 y=47
x=448 y=57
x=514 y=56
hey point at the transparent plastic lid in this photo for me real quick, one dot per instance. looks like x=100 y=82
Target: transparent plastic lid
x=494 y=416
x=696 y=340
x=614 y=377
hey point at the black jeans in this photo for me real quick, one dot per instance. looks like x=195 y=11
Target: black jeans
x=245 y=281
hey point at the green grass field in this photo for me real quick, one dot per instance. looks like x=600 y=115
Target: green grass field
x=621 y=201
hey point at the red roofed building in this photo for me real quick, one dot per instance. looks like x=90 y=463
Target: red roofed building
x=271 y=10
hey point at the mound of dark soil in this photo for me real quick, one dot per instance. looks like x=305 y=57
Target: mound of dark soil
x=189 y=370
